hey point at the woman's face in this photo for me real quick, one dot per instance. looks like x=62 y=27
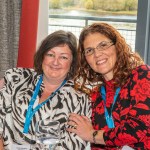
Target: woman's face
x=56 y=63
x=101 y=61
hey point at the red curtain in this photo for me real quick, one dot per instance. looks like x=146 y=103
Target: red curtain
x=28 y=33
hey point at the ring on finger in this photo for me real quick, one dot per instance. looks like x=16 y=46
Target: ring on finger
x=75 y=126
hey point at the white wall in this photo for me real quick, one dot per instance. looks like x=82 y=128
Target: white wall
x=42 y=21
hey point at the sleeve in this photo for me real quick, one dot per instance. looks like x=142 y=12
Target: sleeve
x=135 y=128
x=5 y=97
x=71 y=141
x=11 y=78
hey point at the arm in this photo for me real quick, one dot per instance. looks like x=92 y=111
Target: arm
x=84 y=129
x=1 y=144
x=5 y=97
x=1 y=83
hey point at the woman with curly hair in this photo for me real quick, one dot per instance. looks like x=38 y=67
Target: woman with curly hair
x=121 y=93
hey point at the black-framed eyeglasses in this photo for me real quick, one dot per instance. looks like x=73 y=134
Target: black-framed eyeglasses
x=100 y=47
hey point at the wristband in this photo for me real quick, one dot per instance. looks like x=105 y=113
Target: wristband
x=94 y=134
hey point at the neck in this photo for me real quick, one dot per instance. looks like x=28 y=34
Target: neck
x=51 y=84
x=108 y=77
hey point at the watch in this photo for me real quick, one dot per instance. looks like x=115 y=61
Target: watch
x=94 y=134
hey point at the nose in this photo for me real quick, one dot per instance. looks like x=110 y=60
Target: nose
x=97 y=53
x=56 y=61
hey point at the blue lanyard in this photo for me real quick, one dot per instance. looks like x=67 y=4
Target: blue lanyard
x=109 y=118
x=31 y=111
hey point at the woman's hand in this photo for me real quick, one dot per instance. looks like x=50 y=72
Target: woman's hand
x=82 y=126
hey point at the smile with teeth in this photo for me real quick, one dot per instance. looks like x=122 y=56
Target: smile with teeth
x=101 y=61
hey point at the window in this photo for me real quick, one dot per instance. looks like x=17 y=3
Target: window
x=73 y=15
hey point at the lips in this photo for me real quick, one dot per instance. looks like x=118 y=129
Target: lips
x=99 y=62
x=53 y=68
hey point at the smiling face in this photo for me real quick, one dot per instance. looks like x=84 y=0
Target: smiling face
x=56 y=63
x=102 y=62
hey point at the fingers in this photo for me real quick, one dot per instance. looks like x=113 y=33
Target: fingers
x=73 y=115
x=78 y=119
x=81 y=126
x=79 y=123
x=72 y=130
x=86 y=118
x=75 y=120
x=72 y=123
x=75 y=126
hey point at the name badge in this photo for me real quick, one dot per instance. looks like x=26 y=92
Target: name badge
x=110 y=122
x=20 y=147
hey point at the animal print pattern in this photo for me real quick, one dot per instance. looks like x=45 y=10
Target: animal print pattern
x=14 y=100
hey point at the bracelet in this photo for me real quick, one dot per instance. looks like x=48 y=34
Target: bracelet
x=94 y=134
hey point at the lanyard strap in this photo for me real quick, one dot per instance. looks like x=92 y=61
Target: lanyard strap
x=31 y=111
x=109 y=118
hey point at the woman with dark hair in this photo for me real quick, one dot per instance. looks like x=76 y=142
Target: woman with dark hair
x=47 y=91
x=121 y=92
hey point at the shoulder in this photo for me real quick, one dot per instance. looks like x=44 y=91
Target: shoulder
x=19 y=70
x=69 y=87
x=142 y=71
x=140 y=83
x=18 y=73
x=142 y=68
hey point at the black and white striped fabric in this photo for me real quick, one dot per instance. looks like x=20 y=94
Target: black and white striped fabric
x=14 y=100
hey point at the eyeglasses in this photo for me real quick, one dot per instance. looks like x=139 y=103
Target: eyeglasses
x=100 y=47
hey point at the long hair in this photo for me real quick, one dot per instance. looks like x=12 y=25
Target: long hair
x=125 y=63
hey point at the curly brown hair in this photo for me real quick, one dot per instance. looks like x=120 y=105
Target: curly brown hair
x=126 y=59
x=57 y=38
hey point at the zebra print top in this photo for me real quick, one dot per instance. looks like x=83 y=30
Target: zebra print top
x=14 y=100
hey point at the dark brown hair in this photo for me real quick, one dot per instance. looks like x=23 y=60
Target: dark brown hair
x=126 y=59
x=55 y=39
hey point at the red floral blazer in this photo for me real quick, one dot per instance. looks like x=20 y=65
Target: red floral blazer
x=131 y=113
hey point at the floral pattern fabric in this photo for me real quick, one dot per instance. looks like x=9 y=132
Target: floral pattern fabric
x=131 y=113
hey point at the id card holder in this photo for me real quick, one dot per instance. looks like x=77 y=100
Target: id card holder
x=110 y=122
x=15 y=146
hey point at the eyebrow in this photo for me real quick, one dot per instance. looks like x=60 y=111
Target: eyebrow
x=51 y=51
x=88 y=48
x=100 y=43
